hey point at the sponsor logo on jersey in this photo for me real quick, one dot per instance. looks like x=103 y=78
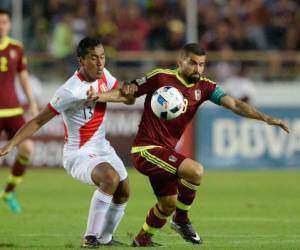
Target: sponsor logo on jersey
x=197 y=94
x=172 y=158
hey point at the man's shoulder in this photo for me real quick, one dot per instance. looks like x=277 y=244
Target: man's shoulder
x=161 y=71
x=204 y=79
x=72 y=85
x=15 y=42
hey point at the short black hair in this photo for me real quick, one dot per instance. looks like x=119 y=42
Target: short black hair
x=4 y=12
x=193 y=48
x=87 y=43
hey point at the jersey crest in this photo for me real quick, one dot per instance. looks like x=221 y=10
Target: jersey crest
x=198 y=94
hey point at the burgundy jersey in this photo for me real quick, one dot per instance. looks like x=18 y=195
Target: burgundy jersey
x=166 y=133
x=12 y=61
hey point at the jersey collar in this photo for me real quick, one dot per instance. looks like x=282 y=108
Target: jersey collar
x=80 y=76
x=182 y=80
x=4 y=43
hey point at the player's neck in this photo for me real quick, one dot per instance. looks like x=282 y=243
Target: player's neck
x=2 y=38
x=182 y=76
x=84 y=76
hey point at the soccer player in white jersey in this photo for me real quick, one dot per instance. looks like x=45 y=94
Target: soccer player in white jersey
x=88 y=156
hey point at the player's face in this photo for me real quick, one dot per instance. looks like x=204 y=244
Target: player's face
x=4 y=25
x=93 y=63
x=191 y=67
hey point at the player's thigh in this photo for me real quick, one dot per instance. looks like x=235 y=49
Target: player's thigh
x=191 y=170
x=160 y=165
x=13 y=124
x=84 y=163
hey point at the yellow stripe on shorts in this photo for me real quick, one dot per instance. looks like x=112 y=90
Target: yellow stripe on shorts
x=11 y=112
x=158 y=162
x=139 y=149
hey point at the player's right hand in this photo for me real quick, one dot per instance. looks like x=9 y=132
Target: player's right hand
x=5 y=149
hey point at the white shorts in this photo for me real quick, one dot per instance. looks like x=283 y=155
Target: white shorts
x=81 y=163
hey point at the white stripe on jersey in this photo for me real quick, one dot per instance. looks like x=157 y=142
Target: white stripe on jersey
x=84 y=121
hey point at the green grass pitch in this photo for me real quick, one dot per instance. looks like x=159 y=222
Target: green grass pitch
x=233 y=210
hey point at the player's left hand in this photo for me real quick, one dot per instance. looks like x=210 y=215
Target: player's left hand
x=278 y=122
x=92 y=95
x=33 y=109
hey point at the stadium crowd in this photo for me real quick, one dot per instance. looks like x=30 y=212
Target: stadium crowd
x=54 y=27
x=154 y=24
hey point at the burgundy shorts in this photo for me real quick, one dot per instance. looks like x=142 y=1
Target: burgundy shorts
x=160 y=165
x=11 y=125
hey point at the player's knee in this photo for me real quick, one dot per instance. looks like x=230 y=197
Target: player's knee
x=111 y=179
x=26 y=148
x=198 y=171
x=107 y=179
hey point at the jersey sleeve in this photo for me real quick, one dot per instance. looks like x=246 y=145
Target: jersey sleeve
x=146 y=85
x=112 y=82
x=61 y=101
x=216 y=95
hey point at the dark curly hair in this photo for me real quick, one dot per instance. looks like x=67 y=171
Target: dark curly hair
x=87 y=43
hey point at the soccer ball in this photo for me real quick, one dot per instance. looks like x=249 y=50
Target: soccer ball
x=167 y=102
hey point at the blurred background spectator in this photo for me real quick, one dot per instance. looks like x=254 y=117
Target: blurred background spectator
x=239 y=85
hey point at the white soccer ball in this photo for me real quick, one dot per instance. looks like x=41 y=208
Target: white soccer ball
x=167 y=102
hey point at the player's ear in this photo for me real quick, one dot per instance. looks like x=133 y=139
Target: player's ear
x=79 y=60
x=179 y=62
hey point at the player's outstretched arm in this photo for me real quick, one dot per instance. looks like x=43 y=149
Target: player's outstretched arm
x=27 y=130
x=114 y=95
x=244 y=109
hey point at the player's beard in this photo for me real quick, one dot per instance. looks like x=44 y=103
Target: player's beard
x=193 y=78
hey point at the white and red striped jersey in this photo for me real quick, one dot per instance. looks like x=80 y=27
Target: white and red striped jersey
x=84 y=121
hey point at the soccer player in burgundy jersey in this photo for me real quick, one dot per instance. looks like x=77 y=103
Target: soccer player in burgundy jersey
x=12 y=64
x=174 y=177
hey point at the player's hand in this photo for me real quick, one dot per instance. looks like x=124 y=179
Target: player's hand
x=33 y=109
x=278 y=122
x=129 y=89
x=92 y=95
x=5 y=149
